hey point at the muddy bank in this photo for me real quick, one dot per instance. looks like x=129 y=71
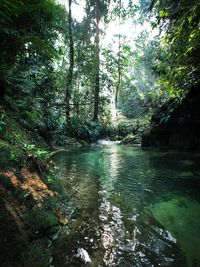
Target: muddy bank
x=33 y=202
x=31 y=214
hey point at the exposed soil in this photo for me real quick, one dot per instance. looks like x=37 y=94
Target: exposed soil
x=17 y=190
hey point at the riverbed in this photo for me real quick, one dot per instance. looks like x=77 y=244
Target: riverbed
x=132 y=207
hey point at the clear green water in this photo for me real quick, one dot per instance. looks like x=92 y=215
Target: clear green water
x=134 y=207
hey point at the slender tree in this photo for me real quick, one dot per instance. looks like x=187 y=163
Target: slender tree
x=69 y=76
x=97 y=63
x=119 y=58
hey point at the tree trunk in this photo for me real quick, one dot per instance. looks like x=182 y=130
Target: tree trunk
x=69 y=77
x=97 y=65
x=77 y=98
x=118 y=85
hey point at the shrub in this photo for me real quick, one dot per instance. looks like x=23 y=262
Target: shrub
x=84 y=129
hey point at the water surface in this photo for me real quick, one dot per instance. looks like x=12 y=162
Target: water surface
x=133 y=207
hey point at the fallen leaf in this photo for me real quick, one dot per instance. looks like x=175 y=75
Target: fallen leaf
x=63 y=221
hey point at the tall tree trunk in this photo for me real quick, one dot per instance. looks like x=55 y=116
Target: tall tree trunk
x=97 y=65
x=118 y=85
x=69 y=76
x=77 y=97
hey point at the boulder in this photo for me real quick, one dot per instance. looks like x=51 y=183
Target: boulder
x=176 y=125
x=81 y=256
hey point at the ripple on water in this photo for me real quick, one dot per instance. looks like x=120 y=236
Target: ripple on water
x=131 y=208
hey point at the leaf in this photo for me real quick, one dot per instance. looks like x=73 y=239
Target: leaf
x=189 y=49
x=62 y=218
x=163 y=13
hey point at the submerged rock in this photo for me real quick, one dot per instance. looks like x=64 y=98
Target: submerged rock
x=82 y=256
x=181 y=217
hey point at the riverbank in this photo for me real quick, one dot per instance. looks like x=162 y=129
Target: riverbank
x=37 y=199
x=33 y=202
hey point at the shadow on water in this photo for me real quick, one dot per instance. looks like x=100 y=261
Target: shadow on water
x=134 y=207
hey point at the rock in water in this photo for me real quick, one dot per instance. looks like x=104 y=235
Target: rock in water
x=82 y=255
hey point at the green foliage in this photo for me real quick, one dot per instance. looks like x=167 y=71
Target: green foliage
x=55 y=184
x=84 y=129
x=132 y=128
x=88 y=130
x=2 y=122
x=125 y=127
x=29 y=81
x=131 y=139
x=128 y=127
x=37 y=153
x=10 y=155
x=39 y=220
x=180 y=68
x=29 y=32
x=33 y=66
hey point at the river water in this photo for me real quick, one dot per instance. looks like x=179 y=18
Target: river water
x=133 y=207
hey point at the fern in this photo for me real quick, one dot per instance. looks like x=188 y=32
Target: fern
x=8 y=9
x=16 y=78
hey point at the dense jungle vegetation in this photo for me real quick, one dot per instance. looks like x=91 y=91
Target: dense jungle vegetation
x=62 y=76
x=73 y=72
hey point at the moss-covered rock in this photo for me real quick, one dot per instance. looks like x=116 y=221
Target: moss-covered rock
x=131 y=139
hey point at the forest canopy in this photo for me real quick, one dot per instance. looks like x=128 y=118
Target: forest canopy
x=75 y=67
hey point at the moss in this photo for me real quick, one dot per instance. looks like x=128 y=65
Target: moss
x=13 y=141
x=13 y=132
x=10 y=154
x=39 y=220
x=54 y=183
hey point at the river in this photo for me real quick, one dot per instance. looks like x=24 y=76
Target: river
x=133 y=207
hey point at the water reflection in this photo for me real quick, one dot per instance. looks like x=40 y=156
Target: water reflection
x=112 y=232
x=120 y=194
x=115 y=162
x=110 y=169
